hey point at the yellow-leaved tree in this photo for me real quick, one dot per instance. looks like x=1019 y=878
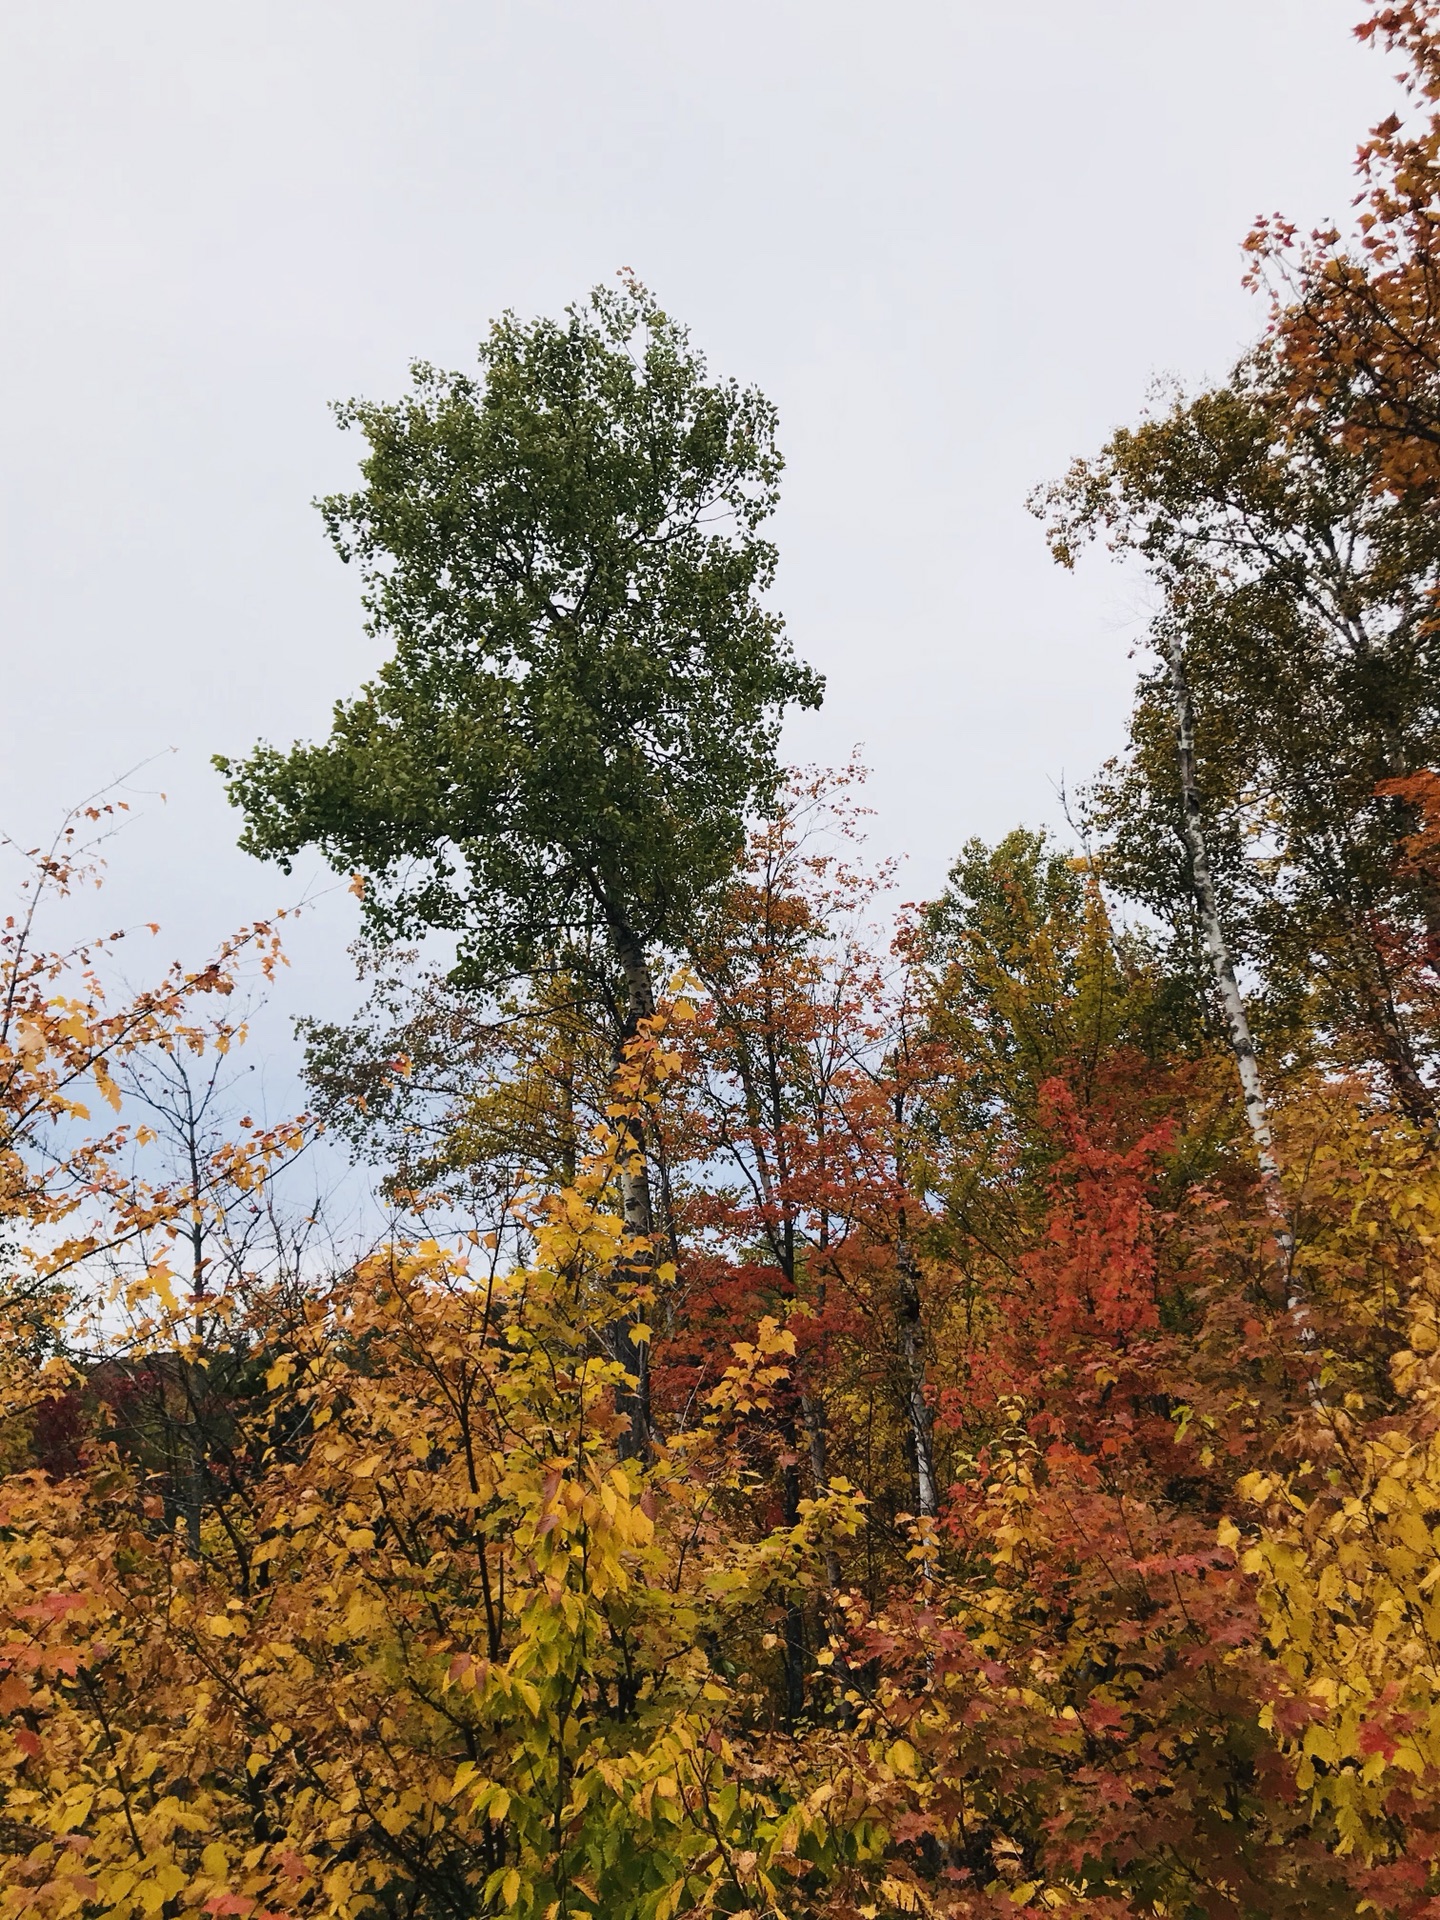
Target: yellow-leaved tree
x=1348 y=1575
x=440 y=1649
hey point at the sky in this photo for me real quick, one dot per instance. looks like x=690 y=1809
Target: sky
x=955 y=243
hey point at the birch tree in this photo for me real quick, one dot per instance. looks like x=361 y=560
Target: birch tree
x=1237 y=1023
x=1217 y=947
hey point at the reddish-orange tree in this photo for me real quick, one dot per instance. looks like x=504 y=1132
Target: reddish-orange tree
x=1357 y=315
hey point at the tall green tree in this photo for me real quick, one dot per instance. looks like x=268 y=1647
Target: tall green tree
x=583 y=702
x=585 y=690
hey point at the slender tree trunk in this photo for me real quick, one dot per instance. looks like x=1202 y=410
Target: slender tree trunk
x=193 y=1433
x=794 y=1647
x=569 y=1139
x=912 y=1333
x=1392 y=1043
x=1417 y=1098
x=1242 y=1044
x=912 y=1360
x=635 y=1198
x=817 y=1441
x=1381 y=1014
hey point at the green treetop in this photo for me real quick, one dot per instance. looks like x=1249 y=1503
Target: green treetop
x=585 y=692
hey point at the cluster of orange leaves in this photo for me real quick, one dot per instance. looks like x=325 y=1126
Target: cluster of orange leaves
x=1357 y=319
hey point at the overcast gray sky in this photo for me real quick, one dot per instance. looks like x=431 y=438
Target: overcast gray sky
x=953 y=241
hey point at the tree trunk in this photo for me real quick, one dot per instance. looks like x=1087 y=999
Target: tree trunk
x=912 y=1324
x=817 y=1440
x=912 y=1360
x=635 y=1199
x=1379 y=1012
x=794 y=1645
x=1242 y=1044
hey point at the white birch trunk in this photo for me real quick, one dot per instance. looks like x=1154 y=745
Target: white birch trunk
x=636 y=1204
x=912 y=1357
x=1242 y=1044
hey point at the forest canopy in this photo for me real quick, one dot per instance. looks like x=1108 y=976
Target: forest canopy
x=857 y=1410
